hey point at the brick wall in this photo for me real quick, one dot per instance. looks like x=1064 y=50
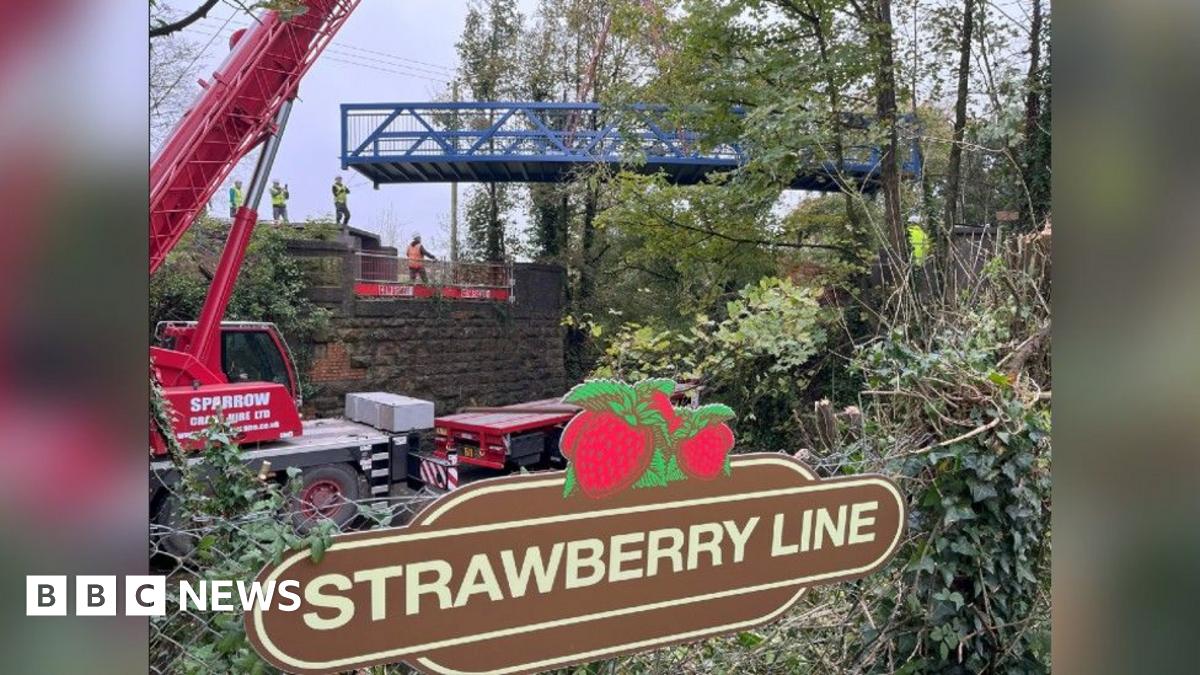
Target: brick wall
x=331 y=363
x=452 y=353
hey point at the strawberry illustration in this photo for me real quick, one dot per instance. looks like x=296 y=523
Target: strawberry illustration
x=566 y=442
x=607 y=453
x=703 y=455
x=662 y=403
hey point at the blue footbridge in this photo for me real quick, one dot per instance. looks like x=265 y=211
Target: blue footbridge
x=549 y=142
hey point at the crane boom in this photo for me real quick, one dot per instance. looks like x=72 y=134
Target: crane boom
x=234 y=114
x=247 y=103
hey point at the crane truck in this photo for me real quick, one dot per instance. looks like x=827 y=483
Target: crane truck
x=243 y=371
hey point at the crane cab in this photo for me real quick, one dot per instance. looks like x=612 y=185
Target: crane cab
x=257 y=390
x=251 y=351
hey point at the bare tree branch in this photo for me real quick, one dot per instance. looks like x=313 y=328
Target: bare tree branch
x=163 y=28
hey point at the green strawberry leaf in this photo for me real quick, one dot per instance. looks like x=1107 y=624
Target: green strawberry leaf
x=728 y=468
x=569 y=482
x=658 y=463
x=602 y=396
x=650 y=479
x=713 y=413
x=647 y=387
x=674 y=473
x=656 y=422
x=655 y=475
x=695 y=419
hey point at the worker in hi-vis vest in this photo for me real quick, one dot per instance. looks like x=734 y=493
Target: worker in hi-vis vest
x=339 y=201
x=416 y=254
x=279 y=197
x=236 y=198
x=918 y=241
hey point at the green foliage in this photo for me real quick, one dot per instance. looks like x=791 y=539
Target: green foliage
x=681 y=250
x=242 y=528
x=977 y=570
x=270 y=287
x=756 y=359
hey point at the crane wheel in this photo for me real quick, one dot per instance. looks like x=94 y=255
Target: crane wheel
x=176 y=542
x=327 y=492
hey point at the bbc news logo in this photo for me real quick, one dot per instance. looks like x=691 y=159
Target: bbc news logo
x=146 y=595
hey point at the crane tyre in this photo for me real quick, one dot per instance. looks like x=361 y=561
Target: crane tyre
x=327 y=492
x=175 y=541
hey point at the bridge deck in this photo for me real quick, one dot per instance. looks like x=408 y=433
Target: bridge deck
x=546 y=142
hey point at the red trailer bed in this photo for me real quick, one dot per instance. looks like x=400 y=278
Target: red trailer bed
x=520 y=435
x=509 y=422
x=490 y=438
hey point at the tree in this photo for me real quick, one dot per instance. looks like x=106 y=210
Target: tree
x=1037 y=120
x=173 y=70
x=162 y=27
x=488 y=69
x=954 y=170
x=876 y=18
x=164 y=22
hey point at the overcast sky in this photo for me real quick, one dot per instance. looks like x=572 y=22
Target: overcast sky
x=388 y=51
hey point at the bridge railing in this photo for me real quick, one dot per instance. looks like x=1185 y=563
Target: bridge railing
x=383 y=275
x=452 y=141
x=579 y=131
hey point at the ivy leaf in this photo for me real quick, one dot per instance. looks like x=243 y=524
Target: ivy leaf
x=569 y=482
x=319 y=544
x=999 y=379
x=602 y=396
x=750 y=639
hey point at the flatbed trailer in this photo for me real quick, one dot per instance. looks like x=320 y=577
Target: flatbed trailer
x=485 y=442
x=496 y=438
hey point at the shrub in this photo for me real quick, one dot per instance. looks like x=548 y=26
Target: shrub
x=755 y=359
x=971 y=447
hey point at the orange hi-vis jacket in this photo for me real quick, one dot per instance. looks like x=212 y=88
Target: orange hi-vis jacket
x=414 y=257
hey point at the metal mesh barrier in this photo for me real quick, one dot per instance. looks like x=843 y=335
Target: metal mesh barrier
x=389 y=275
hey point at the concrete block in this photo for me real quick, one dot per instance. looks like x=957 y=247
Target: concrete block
x=360 y=406
x=390 y=412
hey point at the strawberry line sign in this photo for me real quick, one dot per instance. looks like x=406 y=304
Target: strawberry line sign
x=653 y=536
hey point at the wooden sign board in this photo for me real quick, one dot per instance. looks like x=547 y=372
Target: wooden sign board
x=530 y=572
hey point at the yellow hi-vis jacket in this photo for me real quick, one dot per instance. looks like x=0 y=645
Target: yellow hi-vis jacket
x=919 y=241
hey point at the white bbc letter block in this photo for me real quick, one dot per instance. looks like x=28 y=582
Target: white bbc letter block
x=145 y=595
x=45 y=595
x=95 y=595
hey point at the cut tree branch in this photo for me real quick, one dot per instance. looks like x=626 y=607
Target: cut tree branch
x=957 y=439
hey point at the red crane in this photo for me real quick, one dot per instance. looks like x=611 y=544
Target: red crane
x=246 y=104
